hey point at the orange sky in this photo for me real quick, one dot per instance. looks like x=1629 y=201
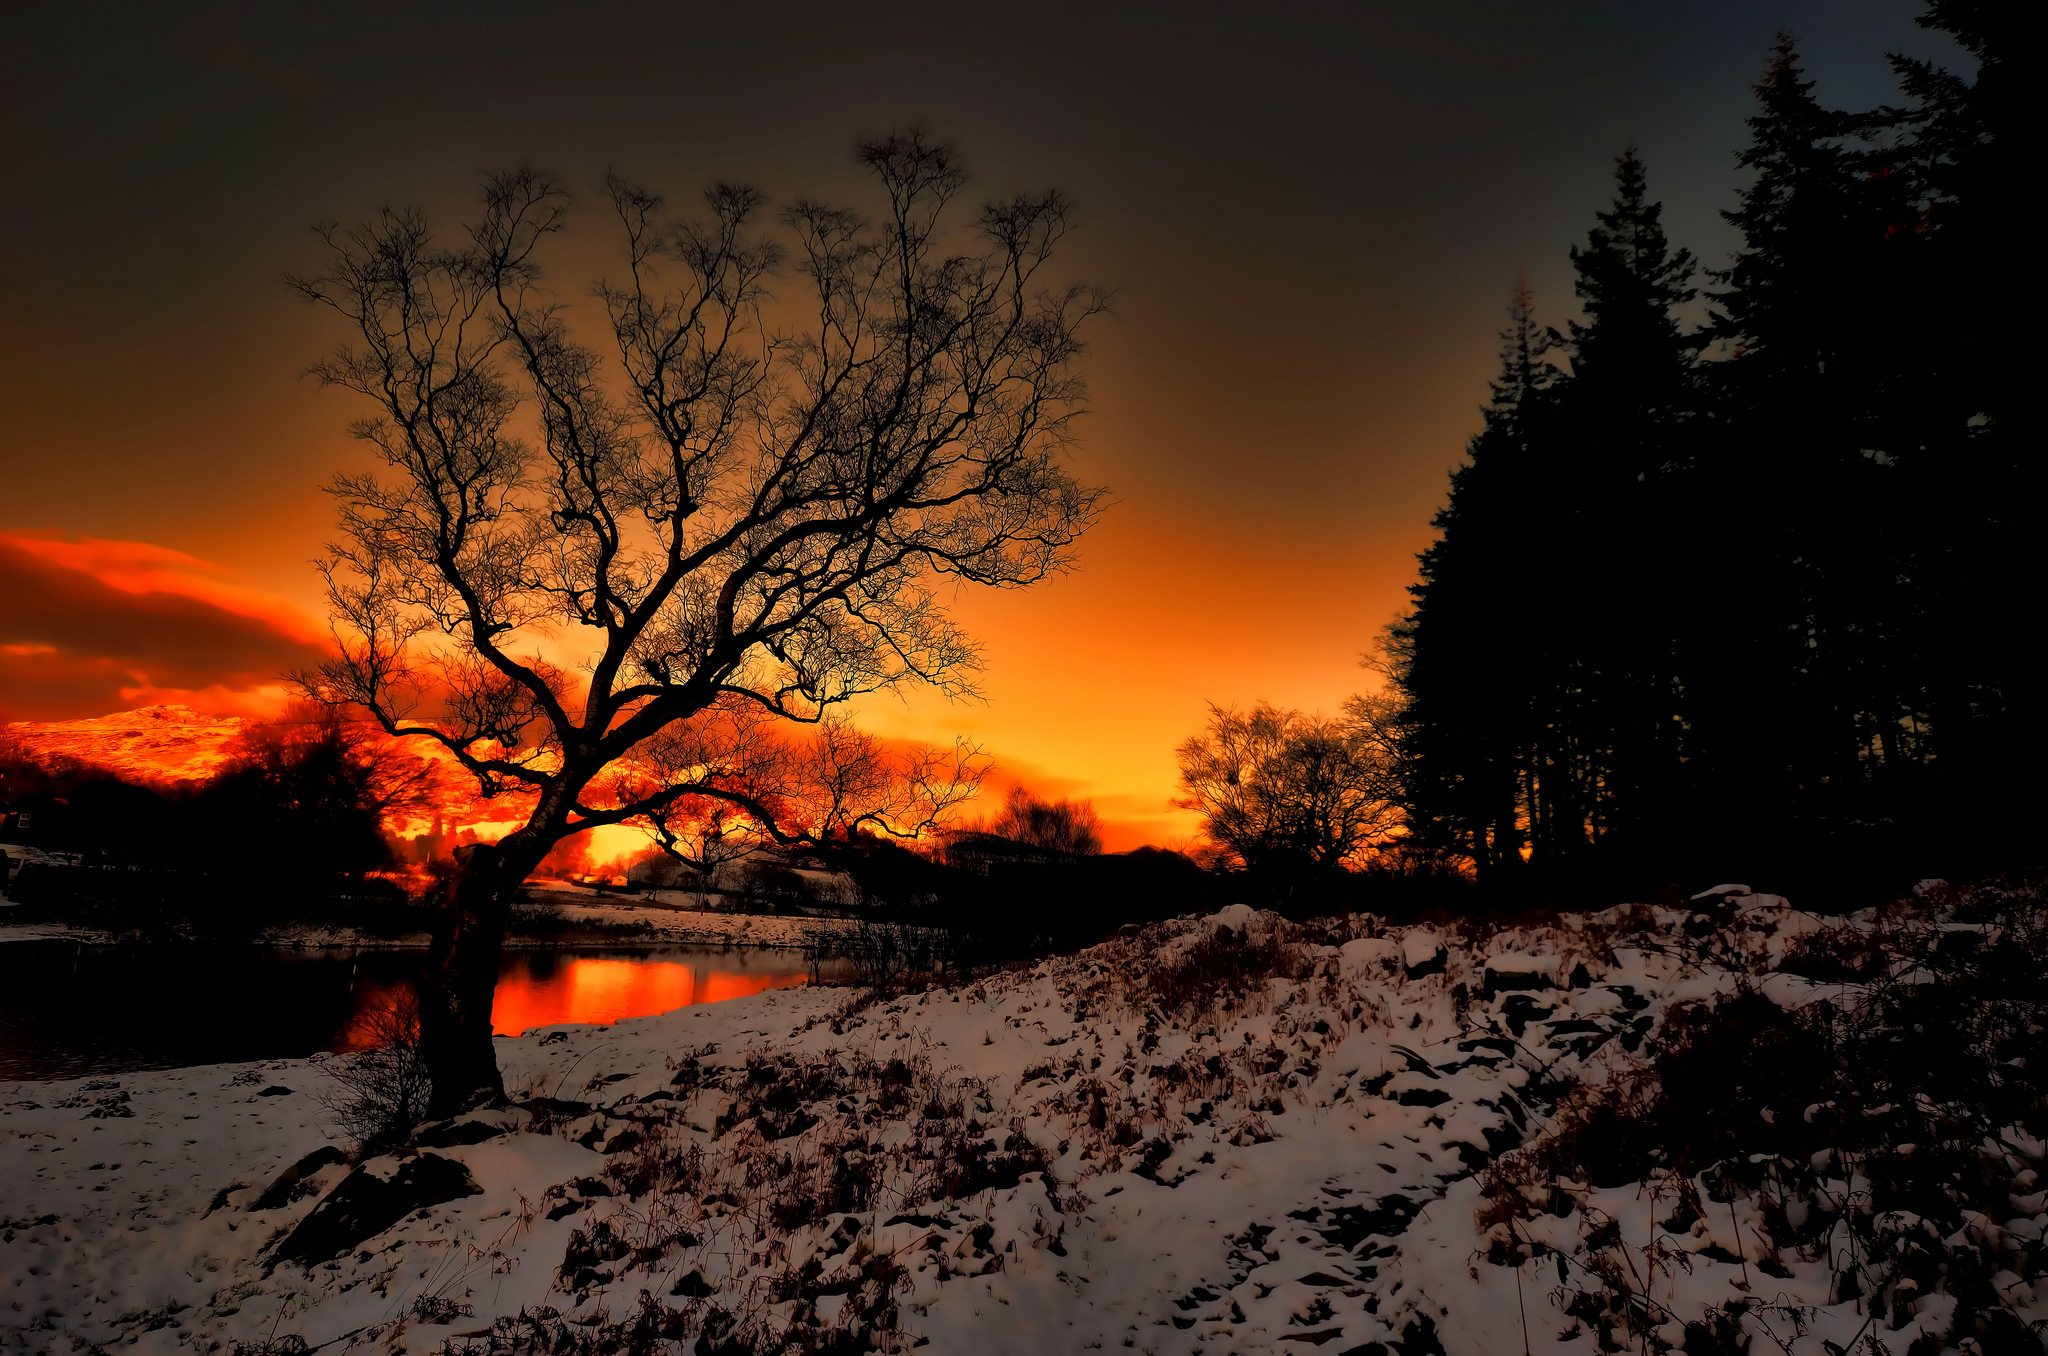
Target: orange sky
x=1311 y=219
x=1090 y=681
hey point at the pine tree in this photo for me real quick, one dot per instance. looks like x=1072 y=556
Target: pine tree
x=1794 y=667
x=1465 y=657
x=1626 y=412
x=1777 y=598
x=1539 y=660
x=1629 y=355
x=1973 y=478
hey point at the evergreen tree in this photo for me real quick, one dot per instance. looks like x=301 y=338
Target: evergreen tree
x=1465 y=656
x=1766 y=599
x=1538 y=661
x=1625 y=413
x=1973 y=479
x=1794 y=667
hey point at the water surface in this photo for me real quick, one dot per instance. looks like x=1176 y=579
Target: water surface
x=68 y=1010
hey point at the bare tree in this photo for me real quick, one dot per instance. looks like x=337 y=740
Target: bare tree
x=744 y=517
x=1278 y=789
x=834 y=787
x=1069 y=826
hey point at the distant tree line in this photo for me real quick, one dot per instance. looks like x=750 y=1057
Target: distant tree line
x=291 y=825
x=1745 y=565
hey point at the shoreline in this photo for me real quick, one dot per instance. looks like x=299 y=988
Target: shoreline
x=607 y=924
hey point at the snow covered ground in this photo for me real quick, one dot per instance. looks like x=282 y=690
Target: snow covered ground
x=1225 y=1134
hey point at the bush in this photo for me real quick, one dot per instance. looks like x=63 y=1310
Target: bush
x=379 y=1096
x=886 y=955
x=1065 y=826
x=1222 y=967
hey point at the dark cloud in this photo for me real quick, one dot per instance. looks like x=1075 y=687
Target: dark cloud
x=70 y=644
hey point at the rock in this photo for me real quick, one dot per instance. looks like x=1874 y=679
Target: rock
x=449 y=1134
x=283 y=1189
x=1233 y=918
x=1424 y=953
x=1507 y=973
x=693 y=1286
x=370 y=1200
x=1361 y=953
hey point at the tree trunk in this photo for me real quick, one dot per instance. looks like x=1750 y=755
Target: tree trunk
x=462 y=978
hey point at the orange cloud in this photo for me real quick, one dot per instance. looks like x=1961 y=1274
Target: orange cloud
x=141 y=567
x=91 y=626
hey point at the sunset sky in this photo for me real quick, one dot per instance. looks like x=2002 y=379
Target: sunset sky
x=1311 y=216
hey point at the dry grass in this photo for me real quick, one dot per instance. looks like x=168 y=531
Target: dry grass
x=1875 y=1133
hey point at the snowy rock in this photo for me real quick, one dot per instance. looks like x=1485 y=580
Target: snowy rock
x=1363 y=955
x=1424 y=954
x=286 y=1186
x=1511 y=971
x=370 y=1200
x=1233 y=918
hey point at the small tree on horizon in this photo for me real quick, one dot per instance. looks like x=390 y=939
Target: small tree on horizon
x=1067 y=826
x=1282 y=793
x=751 y=525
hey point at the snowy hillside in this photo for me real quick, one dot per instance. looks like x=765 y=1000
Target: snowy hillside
x=1645 y=1129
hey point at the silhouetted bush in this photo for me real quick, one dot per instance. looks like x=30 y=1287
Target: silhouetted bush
x=1224 y=965
x=379 y=1095
x=1002 y=900
x=887 y=956
x=1065 y=826
x=767 y=886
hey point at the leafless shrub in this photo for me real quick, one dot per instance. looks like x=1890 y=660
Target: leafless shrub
x=290 y=1344
x=886 y=956
x=1222 y=968
x=379 y=1095
x=439 y=1309
x=1065 y=826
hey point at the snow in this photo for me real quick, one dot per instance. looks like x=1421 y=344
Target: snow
x=1420 y=947
x=1291 y=1165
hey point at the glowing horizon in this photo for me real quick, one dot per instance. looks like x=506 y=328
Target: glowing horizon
x=1311 y=223
x=1054 y=719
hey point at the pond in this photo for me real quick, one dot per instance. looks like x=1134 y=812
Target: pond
x=68 y=1010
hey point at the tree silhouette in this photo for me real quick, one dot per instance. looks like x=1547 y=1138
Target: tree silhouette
x=1759 y=595
x=1626 y=411
x=747 y=512
x=1796 y=656
x=1539 y=663
x=1469 y=657
x=1287 y=795
x=1972 y=477
x=1064 y=826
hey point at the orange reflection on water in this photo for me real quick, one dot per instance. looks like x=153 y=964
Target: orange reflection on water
x=601 y=990
x=550 y=988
